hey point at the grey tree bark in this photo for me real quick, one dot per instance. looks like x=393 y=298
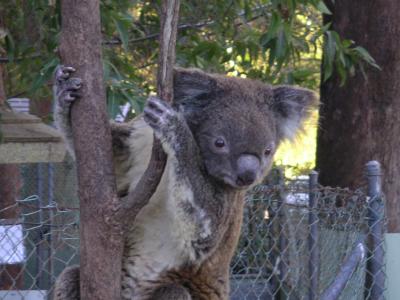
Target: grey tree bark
x=102 y=216
x=100 y=226
x=360 y=121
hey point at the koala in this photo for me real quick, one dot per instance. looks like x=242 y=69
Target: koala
x=220 y=135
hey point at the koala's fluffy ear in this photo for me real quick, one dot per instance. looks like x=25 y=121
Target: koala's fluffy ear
x=292 y=105
x=193 y=89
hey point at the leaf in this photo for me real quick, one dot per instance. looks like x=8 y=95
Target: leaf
x=281 y=43
x=302 y=74
x=274 y=25
x=122 y=27
x=329 y=54
x=320 y=32
x=132 y=101
x=111 y=103
x=321 y=6
x=106 y=69
x=10 y=47
x=342 y=74
x=364 y=54
x=114 y=68
x=342 y=59
x=347 y=43
x=337 y=39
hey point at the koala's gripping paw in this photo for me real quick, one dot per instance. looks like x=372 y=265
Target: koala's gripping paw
x=161 y=117
x=67 y=87
x=170 y=127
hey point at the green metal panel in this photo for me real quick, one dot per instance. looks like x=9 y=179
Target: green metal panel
x=393 y=266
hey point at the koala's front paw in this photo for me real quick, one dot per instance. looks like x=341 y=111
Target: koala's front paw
x=67 y=87
x=170 y=127
x=160 y=116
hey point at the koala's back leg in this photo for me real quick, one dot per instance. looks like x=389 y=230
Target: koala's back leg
x=67 y=285
x=171 y=292
x=122 y=154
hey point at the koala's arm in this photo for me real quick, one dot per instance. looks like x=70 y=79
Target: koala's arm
x=172 y=130
x=189 y=174
x=65 y=91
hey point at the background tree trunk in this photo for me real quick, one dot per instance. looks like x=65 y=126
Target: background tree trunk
x=361 y=121
x=100 y=228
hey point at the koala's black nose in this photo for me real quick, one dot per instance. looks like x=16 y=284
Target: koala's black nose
x=247 y=168
x=246 y=178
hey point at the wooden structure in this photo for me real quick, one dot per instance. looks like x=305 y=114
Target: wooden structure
x=26 y=139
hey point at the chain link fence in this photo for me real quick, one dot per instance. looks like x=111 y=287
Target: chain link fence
x=39 y=235
x=303 y=241
x=299 y=240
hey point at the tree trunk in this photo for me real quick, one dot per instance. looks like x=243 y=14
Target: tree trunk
x=360 y=121
x=100 y=227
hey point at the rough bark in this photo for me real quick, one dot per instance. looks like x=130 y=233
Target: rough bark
x=100 y=227
x=360 y=121
x=148 y=183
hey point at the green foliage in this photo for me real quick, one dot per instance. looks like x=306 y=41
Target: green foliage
x=277 y=41
x=344 y=55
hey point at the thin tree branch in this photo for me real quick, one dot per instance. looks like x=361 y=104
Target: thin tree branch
x=7 y=59
x=149 y=181
x=199 y=25
x=153 y=36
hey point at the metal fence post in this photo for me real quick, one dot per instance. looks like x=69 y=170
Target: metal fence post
x=314 y=259
x=283 y=243
x=40 y=255
x=375 y=262
x=50 y=204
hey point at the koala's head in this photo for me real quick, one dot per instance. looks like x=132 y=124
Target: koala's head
x=239 y=123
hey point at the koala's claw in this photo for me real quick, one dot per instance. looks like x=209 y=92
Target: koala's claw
x=169 y=126
x=157 y=113
x=67 y=87
x=63 y=72
x=74 y=84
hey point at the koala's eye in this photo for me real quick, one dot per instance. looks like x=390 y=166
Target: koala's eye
x=219 y=143
x=267 y=151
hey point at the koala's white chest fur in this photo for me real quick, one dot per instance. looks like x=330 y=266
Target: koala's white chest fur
x=162 y=235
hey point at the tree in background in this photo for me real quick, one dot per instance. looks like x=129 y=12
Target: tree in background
x=360 y=120
x=276 y=41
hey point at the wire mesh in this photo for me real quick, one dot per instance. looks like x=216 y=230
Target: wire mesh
x=288 y=248
x=41 y=237
x=280 y=257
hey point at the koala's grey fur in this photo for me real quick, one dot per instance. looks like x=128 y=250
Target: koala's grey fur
x=220 y=136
